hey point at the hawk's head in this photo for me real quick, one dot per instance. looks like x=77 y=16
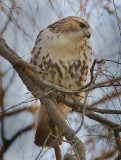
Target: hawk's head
x=74 y=27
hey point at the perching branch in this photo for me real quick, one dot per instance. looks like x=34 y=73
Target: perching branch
x=30 y=77
x=90 y=114
x=63 y=127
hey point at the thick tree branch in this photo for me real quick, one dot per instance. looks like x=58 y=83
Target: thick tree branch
x=90 y=114
x=63 y=127
x=31 y=78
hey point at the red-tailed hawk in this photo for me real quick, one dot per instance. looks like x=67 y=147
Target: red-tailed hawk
x=62 y=50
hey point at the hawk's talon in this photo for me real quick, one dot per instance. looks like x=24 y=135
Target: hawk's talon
x=78 y=109
x=60 y=95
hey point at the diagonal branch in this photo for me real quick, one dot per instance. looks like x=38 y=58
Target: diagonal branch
x=35 y=84
x=30 y=76
x=63 y=127
x=90 y=114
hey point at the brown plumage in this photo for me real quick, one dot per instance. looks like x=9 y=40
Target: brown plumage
x=62 y=50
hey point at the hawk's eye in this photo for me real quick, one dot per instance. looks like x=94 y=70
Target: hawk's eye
x=82 y=25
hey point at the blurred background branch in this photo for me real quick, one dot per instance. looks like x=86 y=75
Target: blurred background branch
x=21 y=21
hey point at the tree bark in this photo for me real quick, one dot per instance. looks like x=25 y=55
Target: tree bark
x=29 y=76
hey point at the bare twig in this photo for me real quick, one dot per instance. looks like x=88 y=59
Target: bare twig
x=82 y=7
x=43 y=145
x=83 y=112
x=90 y=114
x=7 y=143
x=112 y=61
x=63 y=127
x=29 y=77
x=117 y=17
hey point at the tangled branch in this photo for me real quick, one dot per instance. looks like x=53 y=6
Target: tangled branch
x=31 y=77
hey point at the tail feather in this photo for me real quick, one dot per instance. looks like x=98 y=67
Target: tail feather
x=42 y=125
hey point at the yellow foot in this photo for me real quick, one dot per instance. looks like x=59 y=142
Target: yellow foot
x=78 y=109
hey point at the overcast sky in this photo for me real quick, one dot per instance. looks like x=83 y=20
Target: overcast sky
x=101 y=24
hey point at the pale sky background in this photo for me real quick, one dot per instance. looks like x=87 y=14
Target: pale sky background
x=101 y=23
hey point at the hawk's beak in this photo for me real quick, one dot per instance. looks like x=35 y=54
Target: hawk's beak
x=88 y=33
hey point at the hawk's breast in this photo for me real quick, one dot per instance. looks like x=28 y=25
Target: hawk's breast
x=66 y=62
